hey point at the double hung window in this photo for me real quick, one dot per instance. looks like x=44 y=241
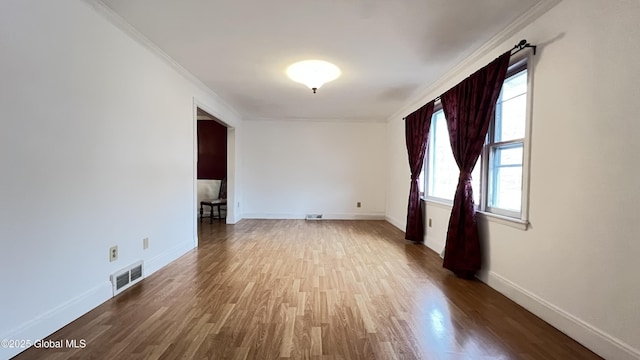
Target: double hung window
x=499 y=179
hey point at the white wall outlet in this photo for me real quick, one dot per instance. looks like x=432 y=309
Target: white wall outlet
x=145 y=243
x=113 y=253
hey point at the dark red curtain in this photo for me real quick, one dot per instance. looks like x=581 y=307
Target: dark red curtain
x=469 y=107
x=416 y=134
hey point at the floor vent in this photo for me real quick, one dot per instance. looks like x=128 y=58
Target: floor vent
x=125 y=278
x=313 y=217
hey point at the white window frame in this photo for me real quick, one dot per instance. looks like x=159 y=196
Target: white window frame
x=511 y=218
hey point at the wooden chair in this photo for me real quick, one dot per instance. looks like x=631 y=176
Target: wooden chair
x=216 y=203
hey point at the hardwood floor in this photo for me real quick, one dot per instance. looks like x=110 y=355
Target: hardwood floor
x=268 y=289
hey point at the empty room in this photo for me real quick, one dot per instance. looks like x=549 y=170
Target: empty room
x=338 y=179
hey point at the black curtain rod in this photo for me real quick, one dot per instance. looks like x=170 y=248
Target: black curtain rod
x=523 y=44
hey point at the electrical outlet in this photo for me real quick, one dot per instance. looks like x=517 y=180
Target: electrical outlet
x=429 y=222
x=145 y=243
x=359 y=204
x=113 y=253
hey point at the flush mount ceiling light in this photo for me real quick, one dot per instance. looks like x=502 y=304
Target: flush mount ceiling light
x=313 y=73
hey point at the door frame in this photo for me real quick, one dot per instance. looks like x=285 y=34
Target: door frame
x=231 y=167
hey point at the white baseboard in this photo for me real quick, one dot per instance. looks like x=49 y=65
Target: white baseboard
x=430 y=242
x=51 y=321
x=159 y=261
x=591 y=337
x=233 y=220
x=274 y=216
x=354 y=216
x=433 y=244
x=325 y=216
x=395 y=222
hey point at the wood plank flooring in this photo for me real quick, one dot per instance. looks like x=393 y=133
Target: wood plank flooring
x=295 y=289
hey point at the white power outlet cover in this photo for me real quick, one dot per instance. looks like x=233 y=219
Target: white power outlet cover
x=113 y=253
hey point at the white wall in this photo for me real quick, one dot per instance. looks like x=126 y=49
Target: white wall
x=235 y=187
x=96 y=149
x=399 y=176
x=291 y=169
x=576 y=266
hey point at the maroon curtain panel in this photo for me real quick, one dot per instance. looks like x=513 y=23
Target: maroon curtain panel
x=416 y=135
x=468 y=108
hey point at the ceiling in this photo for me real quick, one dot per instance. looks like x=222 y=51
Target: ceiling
x=387 y=49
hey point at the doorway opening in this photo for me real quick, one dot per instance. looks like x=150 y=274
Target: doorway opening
x=211 y=168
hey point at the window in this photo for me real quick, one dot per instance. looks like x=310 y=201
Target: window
x=504 y=147
x=499 y=178
x=442 y=168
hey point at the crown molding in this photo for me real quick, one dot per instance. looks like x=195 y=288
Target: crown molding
x=425 y=93
x=318 y=120
x=119 y=22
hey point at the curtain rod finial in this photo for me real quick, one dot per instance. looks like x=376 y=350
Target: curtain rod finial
x=523 y=44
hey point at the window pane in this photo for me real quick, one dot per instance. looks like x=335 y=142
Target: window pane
x=513 y=117
x=508 y=155
x=507 y=189
x=511 y=109
x=514 y=85
x=443 y=170
x=505 y=177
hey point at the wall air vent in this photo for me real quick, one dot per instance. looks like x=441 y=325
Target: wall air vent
x=313 y=217
x=122 y=280
x=136 y=272
x=125 y=278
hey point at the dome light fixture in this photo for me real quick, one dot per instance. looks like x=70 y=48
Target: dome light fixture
x=313 y=73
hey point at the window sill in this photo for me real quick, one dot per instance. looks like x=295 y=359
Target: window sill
x=504 y=220
x=499 y=219
x=441 y=204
